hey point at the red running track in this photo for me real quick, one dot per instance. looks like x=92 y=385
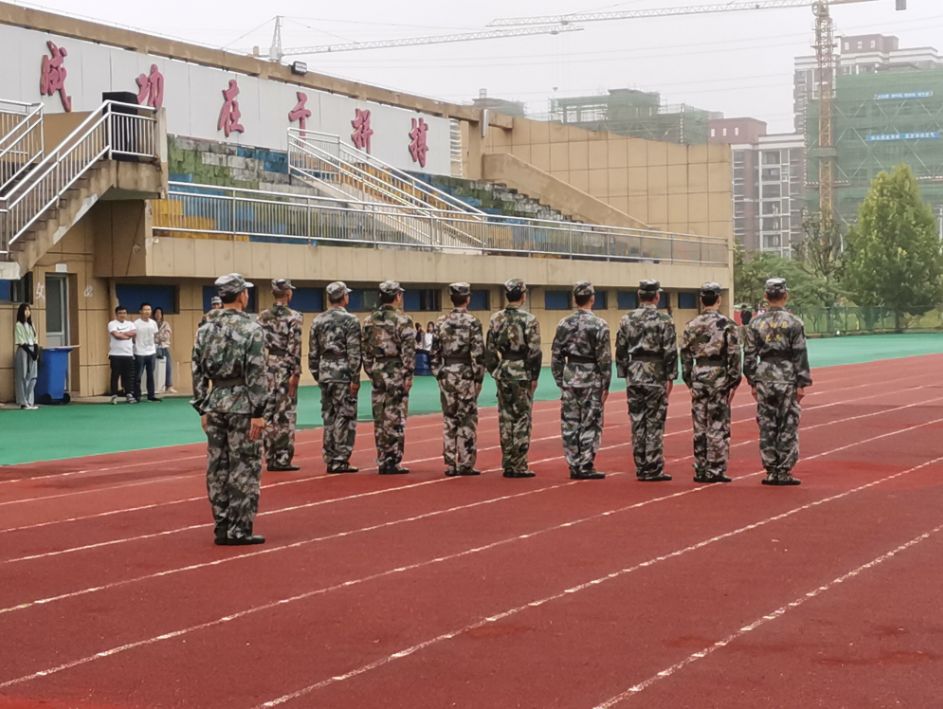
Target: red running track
x=426 y=591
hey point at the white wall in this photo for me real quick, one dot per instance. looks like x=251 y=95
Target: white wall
x=193 y=98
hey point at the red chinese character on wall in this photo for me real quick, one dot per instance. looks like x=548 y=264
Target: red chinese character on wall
x=362 y=129
x=229 y=114
x=417 y=141
x=300 y=113
x=151 y=88
x=53 y=74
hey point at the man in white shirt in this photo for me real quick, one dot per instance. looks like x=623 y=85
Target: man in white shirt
x=121 y=354
x=145 y=351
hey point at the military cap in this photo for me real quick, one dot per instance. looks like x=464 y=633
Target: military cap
x=282 y=286
x=583 y=288
x=776 y=287
x=216 y=300
x=232 y=284
x=711 y=288
x=337 y=289
x=649 y=286
x=515 y=284
x=391 y=288
x=459 y=289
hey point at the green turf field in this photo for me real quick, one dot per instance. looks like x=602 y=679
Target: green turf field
x=79 y=429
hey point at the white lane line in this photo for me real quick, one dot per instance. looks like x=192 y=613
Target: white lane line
x=442 y=559
x=637 y=689
x=376 y=664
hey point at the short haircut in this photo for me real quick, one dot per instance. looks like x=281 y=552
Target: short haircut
x=710 y=298
x=776 y=295
x=459 y=300
x=335 y=299
x=230 y=297
x=120 y=308
x=514 y=295
x=386 y=298
x=583 y=299
x=648 y=297
x=145 y=305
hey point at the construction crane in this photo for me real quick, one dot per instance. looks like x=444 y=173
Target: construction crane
x=277 y=52
x=824 y=52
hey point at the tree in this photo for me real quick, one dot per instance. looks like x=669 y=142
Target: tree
x=806 y=290
x=894 y=257
x=820 y=250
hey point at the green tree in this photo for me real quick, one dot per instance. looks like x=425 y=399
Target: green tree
x=806 y=290
x=894 y=257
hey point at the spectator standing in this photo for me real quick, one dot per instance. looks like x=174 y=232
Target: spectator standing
x=26 y=358
x=145 y=352
x=420 y=338
x=428 y=337
x=163 y=340
x=121 y=354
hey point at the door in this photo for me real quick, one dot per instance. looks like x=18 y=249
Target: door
x=57 y=310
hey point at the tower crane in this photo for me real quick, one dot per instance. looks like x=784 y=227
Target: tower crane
x=824 y=52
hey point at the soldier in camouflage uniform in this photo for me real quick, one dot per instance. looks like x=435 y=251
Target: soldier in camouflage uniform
x=334 y=360
x=581 y=363
x=458 y=363
x=710 y=366
x=389 y=358
x=647 y=357
x=776 y=365
x=513 y=356
x=282 y=327
x=229 y=352
x=215 y=304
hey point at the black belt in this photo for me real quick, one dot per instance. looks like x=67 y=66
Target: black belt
x=775 y=358
x=458 y=360
x=647 y=358
x=513 y=357
x=334 y=357
x=228 y=383
x=580 y=359
x=711 y=361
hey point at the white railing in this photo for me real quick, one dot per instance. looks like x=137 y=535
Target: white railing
x=204 y=209
x=112 y=130
x=21 y=139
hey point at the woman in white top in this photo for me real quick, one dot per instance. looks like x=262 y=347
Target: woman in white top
x=26 y=359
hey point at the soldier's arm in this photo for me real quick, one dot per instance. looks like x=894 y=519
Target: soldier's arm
x=354 y=354
x=604 y=355
x=314 y=350
x=687 y=358
x=256 y=376
x=534 y=354
x=750 y=354
x=491 y=354
x=800 y=358
x=734 y=361
x=671 y=351
x=557 y=361
x=366 y=352
x=435 y=354
x=477 y=348
x=407 y=335
x=622 y=351
x=297 y=326
x=201 y=382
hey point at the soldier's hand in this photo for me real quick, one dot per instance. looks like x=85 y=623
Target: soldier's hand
x=800 y=394
x=730 y=396
x=256 y=428
x=669 y=386
x=293 y=386
x=354 y=388
x=533 y=386
x=409 y=385
x=203 y=422
x=753 y=391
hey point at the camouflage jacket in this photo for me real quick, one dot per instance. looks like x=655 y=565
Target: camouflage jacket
x=230 y=351
x=458 y=335
x=775 y=349
x=389 y=344
x=334 y=347
x=283 y=328
x=711 y=336
x=585 y=336
x=513 y=332
x=647 y=347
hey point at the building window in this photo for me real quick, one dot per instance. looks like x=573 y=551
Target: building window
x=860 y=44
x=363 y=300
x=131 y=295
x=602 y=300
x=736 y=130
x=874 y=43
x=627 y=300
x=687 y=301
x=17 y=291
x=713 y=132
x=557 y=300
x=725 y=132
x=423 y=300
x=308 y=300
x=480 y=300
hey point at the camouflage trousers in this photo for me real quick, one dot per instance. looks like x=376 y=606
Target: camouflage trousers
x=390 y=401
x=234 y=467
x=515 y=409
x=711 y=417
x=459 y=397
x=581 y=416
x=648 y=409
x=777 y=413
x=339 y=413
x=281 y=424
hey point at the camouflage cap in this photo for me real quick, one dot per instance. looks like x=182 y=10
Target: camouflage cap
x=711 y=288
x=282 y=286
x=337 y=289
x=583 y=288
x=216 y=300
x=515 y=284
x=232 y=284
x=776 y=287
x=649 y=286
x=459 y=289
x=391 y=288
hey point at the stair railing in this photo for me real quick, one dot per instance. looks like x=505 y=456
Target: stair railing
x=21 y=139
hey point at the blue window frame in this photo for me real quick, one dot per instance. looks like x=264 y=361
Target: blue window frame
x=602 y=300
x=131 y=295
x=362 y=300
x=687 y=301
x=308 y=300
x=557 y=300
x=628 y=300
x=480 y=300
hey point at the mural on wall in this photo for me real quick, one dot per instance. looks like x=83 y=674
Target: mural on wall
x=300 y=114
x=418 y=147
x=151 y=88
x=230 y=114
x=52 y=75
x=363 y=133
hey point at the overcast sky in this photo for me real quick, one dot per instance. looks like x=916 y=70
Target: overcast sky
x=737 y=63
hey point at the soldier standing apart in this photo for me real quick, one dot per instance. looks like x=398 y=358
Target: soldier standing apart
x=389 y=358
x=282 y=327
x=581 y=362
x=334 y=360
x=647 y=357
x=458 y=363
x=776 y=365
x=229 y=352
x=513 y=356
x=710 y=366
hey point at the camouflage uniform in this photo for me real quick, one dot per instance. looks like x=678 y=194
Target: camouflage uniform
x=230 y=352
x=334 y=360
x=710 y=366
x=458 y=363
x=215 y=304
x=647 y=357
x=581 y=363
x=513 y=356
x=776 y=364
x=389 y=358
x=283 y=328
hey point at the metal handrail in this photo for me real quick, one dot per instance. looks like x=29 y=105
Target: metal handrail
x=204 y=209
x=114 y=128
x=21 y=139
